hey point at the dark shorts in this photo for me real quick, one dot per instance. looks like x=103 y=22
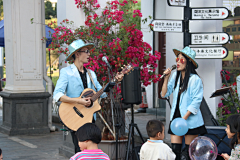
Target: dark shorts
x=196 y=131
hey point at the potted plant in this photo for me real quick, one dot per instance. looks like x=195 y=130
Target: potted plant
x=226 y=107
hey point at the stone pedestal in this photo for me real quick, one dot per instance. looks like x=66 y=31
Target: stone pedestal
x=25 y=113
x=67 y=149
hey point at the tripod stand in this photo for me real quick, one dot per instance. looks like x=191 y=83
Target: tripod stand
x=131 y=136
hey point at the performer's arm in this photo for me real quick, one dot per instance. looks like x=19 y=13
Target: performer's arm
x=187 y=115
x=83 y=101
x=196 y=93
x=167 y=88
x=60 y=89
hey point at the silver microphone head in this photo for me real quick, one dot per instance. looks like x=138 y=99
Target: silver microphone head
x=104 y=58
x=174 y=67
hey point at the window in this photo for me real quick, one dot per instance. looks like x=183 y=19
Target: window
x=227 y=29
x=234 y=29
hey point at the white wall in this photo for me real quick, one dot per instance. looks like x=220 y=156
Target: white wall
x=66 y=9
x=147 y=10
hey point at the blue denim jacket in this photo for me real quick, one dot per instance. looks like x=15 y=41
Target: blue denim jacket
x=190 y=99
x=70 y=82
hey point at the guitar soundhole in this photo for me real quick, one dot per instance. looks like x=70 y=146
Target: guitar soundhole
x=78 y=112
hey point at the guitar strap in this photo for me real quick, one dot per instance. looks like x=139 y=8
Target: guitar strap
x=99 y=103
x=91 y=79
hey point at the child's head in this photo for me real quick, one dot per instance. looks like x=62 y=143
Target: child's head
x=155 y=129
x=87 y=134
x=233 y=128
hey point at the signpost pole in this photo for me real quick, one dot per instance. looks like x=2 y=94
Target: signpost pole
x=187 y=14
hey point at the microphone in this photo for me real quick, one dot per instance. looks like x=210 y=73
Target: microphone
x=173 y=67
x=104 y=59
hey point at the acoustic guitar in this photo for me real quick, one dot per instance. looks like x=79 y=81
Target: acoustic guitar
x=74 y=115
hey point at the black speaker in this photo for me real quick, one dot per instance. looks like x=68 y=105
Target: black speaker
x=131 y=87
x=208 y=118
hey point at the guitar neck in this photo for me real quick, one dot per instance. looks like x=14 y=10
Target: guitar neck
x=97 y=95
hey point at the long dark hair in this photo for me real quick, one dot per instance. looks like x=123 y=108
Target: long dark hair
x=190 y=68
x=234 y=123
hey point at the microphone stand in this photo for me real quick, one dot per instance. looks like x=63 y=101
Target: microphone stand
x=234 y=104
x=109 y=88
x=111 y=97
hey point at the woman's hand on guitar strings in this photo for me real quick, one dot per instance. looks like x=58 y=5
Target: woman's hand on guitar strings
x=85 y=101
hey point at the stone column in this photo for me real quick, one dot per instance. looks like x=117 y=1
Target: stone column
x=25 y=107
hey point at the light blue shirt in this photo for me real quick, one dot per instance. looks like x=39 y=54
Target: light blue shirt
x=70 y=83
x=155 y=141
x=190 y=100
x=238 y=86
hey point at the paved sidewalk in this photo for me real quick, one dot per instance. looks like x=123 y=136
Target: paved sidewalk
x=141 y=120
x=42 y=147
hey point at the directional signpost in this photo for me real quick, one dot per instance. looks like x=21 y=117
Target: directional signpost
x=167 y=26
x=211 y=52
x=209 y=13
x=209 y=38
x=180 y=3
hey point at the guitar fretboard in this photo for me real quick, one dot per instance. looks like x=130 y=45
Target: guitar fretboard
x=97 y=95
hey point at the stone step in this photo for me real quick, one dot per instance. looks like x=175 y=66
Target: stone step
x=158 y=111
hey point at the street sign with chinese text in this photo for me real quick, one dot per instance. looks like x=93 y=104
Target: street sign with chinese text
x=209 y=38
x=180 y=3
x=210 y=13
x=210 y=52
x=167 y=26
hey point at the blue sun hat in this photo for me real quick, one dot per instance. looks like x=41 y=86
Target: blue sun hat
x=188 y=52
x=76 y=46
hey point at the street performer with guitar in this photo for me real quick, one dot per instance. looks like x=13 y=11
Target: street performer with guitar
x=73 y=80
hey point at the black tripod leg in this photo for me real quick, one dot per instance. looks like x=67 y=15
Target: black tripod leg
x=139 y=133
x=129 y=140
x=136 y=154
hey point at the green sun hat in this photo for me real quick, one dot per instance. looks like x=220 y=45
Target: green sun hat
x=76 y=46
x=188 y=52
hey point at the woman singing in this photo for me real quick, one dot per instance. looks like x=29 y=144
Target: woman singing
x=187 y=89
